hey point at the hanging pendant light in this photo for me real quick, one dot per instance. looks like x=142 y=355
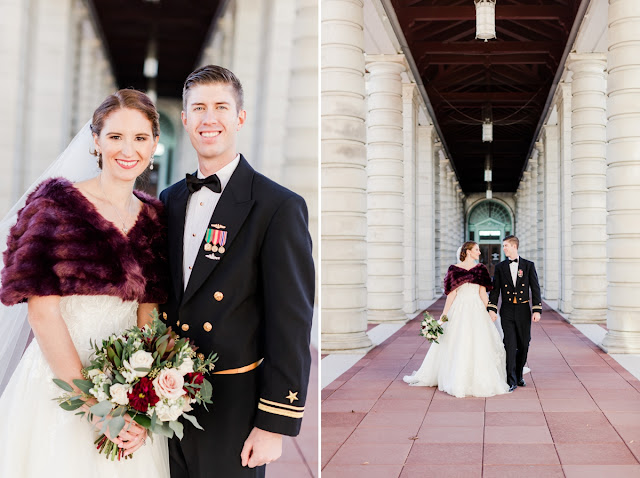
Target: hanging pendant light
x=487 y=132
x=485 y=19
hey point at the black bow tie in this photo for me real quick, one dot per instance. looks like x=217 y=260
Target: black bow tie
x=195 y=184
x=513 y=260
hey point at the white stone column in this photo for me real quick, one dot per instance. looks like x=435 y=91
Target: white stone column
x=385 y=188
x=525 y=210
x=440 y=220
x=588 y=187
x=344 y=178
x=564 y=193
x=426 y=228
x=450 y=225
x=541 y=226
x=623 y=178
x=532 y=250
x=551 y=216
x=301 y=160
x=410 y=142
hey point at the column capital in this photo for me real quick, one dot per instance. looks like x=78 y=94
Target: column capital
x=540 y=146
x=594 y=62
x=396 y=62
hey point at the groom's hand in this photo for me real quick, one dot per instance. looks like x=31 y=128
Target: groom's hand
x=493 y=315
x=536 y=317
x=261 y=448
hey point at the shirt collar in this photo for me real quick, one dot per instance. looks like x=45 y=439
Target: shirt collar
x=224 y=174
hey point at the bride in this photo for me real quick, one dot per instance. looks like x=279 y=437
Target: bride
x=470 y=358
x=89 y=259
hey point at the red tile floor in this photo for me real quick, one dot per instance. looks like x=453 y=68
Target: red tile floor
x=300 y=454
x=578 y=416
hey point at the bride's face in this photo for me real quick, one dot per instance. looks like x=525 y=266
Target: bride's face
x=126 y=143
x=474 y=252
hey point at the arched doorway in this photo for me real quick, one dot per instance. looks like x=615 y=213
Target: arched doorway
x=487 y=224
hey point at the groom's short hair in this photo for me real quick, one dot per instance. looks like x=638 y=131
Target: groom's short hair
x=211 y=74
x=513 y=240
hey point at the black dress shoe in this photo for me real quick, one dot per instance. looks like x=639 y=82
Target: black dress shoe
x=512 y=388
x=522 y=383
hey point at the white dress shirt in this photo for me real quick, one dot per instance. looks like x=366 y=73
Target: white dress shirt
x=513 y=267
x=200 y=208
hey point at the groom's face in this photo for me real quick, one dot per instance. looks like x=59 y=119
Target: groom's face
x=212 y=120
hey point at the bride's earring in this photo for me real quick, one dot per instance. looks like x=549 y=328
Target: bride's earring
x=98 y=158
x=151 y=162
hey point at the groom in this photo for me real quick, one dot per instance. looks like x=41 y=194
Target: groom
x=513 y=278
x=242 y=286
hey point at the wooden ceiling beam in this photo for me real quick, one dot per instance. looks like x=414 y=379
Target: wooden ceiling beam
x=506 y=59
x=503 y=12
x=483 y=48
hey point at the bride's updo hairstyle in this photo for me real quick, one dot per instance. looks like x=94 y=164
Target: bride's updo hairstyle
x=467 y=246
x=121 y=99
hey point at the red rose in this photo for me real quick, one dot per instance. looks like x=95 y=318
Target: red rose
x=142 y=395
x=193 y=378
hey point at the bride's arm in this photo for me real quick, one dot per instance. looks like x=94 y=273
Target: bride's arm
x=484 y=296
x=144 y=313
x=53 y=337
x=54 y=340
x=447 y=304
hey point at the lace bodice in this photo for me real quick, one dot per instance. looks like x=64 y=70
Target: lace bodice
x=94 y=317
x=468 y=290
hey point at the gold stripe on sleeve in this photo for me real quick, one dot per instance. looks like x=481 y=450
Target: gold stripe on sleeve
x=279 y=411
x=283 y=405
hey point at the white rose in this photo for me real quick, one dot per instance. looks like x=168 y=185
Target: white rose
x=186 y=366
x=119 y=394
x=168 y=413
x=169 y=384
x=140 y=359
x=93 y=372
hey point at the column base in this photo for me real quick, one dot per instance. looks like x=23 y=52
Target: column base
x=353 y=343
x=578 y=316
x=396 y=316
x=616 y=342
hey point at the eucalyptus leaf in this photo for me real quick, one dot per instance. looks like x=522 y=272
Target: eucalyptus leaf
x=71 y=405
x=142 y=420
x=119 y=411
x=116 y=361
x=193 y=420
x=206 y=390
x=142 y=369
x=118 y=347
x=84 y=385
x=116 y=424
x=178 y=428
x=163 y=429
x=120 y=378
x=154 y=420
x=101 y=409
x=63 y=385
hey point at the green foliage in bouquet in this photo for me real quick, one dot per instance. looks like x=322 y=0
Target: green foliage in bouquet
x=149 y=373
x=430 y=328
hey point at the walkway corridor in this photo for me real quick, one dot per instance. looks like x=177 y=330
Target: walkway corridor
x=578 y=416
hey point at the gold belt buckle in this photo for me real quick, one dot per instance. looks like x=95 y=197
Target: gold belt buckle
x=246 y=368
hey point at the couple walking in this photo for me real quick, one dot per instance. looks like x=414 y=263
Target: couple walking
x=470 y=359
x=226 y=251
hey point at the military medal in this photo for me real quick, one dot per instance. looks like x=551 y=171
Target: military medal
x=215 y=239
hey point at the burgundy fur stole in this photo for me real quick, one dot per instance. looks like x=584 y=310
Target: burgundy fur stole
x=61 y=245
x=456 y=276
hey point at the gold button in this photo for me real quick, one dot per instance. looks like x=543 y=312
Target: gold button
x=190 y=267
x=218 y=296
x=193 y=235
x=202 y=204
x=207 y=327
x=185 y=327
x=178 y=323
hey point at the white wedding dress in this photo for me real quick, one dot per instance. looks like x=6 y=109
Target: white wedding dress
x=470 y=359
x=37 y=437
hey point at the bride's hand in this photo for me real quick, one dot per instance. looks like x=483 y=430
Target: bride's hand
x=133 y=436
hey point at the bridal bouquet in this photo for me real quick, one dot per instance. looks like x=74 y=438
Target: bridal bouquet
x=431 y=328
x=149 y=373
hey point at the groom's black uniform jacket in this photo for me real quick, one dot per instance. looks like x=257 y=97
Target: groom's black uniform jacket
x=254 y=302
x=515 y=312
